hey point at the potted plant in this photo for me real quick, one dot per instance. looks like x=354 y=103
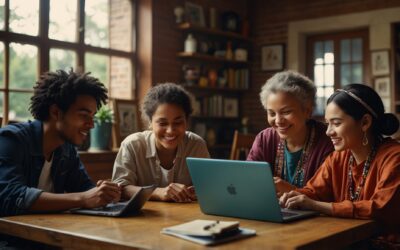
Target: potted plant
x=100 y=135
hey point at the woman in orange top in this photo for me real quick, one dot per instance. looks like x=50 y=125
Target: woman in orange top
x=361 y=179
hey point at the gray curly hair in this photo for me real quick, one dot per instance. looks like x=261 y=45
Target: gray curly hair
x=300 y=86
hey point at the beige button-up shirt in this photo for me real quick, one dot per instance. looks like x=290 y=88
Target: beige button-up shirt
x=137 y=162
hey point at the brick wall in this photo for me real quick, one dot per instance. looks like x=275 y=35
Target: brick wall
x=121 y=85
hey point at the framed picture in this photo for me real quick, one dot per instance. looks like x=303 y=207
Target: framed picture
x=272 y=57
x=380 y=62
x=194 y=14
x=382 y=86
x=231 y=107
x=126 y=119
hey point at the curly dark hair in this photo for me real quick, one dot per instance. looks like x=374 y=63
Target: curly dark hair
x=170 y=93
x=62 y=88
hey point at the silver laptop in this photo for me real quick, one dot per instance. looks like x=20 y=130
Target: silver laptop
x=132 y=206
x=243 y=189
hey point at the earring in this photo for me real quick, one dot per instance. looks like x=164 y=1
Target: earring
x=365 y=139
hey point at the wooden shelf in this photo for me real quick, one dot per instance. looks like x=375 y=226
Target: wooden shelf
x=214 y=89
x=216 y=59
x=214 y=32
x=98 y=164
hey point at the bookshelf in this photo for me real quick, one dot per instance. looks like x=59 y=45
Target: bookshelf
x=217 y=77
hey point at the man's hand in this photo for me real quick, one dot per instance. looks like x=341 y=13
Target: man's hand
x=105 y=192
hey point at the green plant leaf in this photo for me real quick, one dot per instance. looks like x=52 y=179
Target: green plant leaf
x=104 y=115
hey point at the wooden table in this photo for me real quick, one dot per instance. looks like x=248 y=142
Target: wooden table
x=143 y=231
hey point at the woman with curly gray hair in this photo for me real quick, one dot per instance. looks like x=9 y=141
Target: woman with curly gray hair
x=295 y=144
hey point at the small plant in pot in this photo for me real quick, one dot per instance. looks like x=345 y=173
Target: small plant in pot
x=100 y=135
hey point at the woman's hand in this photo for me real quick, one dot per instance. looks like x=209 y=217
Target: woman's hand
x=282 y=186
x=175 y=192
x=296 y=200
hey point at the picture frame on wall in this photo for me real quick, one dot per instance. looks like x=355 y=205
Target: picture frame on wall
x=380 y=62
x=272 y=57
x=382 y=86
x=194 y=14
x=127 y=119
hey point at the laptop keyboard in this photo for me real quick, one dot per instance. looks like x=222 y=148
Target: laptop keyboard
x=110 y=208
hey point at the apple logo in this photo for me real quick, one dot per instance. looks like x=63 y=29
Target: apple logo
x=231 y=189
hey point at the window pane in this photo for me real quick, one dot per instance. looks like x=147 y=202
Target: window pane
x=96 y=23
x=19 y=104
x=24 y=17
x=328 y=92
x=320 y=102
x=2 y=14
x=345 y=72
x=329 y=75
x=1 y=64
x=98 y=66
x=121 y=25
x=356 y=50
x=328 y=54
x=121 y=78
x=319 y=75
x=357 y=73
x=63 y=15
x=23 y=65
x=62 y=59
x=345 y=50
x=318 y=53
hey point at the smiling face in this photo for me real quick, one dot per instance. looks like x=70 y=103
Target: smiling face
x=74 y=125
x=287 y=115
x=169 y=126
x=344 y=131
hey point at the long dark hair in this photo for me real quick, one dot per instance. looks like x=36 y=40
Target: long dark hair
x=382 y=124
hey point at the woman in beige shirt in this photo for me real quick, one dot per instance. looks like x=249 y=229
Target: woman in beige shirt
x=158 y=156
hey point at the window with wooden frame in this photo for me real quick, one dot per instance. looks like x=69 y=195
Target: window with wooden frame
x=96 y=36
x=334 y=60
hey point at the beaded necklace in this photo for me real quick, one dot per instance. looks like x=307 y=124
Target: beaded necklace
x=367 y=164
x=280 y=166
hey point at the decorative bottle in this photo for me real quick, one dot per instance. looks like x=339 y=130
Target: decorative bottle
x=190 y=44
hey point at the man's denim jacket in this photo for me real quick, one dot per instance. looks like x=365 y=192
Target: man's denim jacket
x=21 y=162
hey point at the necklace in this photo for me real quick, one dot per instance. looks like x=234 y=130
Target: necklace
x=280 y=168
x=356 y=195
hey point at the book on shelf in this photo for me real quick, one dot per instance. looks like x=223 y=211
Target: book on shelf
x=209 y=232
